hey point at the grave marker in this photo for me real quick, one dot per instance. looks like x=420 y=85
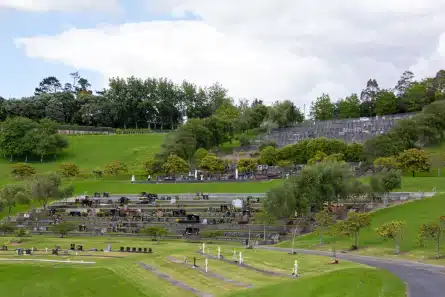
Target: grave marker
x=207 y=264
x=219 y=253
x=295 y=270
x=240 y=257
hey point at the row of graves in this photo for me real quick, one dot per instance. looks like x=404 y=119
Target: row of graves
x=183 y=215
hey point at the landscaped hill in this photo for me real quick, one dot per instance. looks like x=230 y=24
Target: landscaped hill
x=94 y=151
x=414 y=213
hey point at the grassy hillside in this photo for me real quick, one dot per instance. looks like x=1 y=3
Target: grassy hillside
x=414 y=213
x=94 y=151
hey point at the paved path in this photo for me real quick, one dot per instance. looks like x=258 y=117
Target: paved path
x=424 y=280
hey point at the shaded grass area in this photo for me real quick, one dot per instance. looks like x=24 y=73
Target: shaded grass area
x=414 y=213
x=346 y=283
x=123 y=277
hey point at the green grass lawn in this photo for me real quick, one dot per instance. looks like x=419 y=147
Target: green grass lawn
x=414 y=213
x=346 y=283
x=124 y=277
x=94 y=151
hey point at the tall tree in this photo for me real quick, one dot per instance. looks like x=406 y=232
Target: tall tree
x=46 y=187
x=322 y=109
x=50 y=84
x=349 y=107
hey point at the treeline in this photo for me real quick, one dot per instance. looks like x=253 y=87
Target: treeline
x=407 y=96
x=158 y=103
x=27 y=139
x=152 y=103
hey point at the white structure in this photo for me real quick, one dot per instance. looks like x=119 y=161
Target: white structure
x=203 y=248
x=133 y=179
x=196 y=174
x=241 y=260
x=295 y=272
x=234 y=255
x=219 y=253
x=207 y=264
x=236 y=173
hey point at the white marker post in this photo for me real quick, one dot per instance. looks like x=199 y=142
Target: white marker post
x=46 y=250
x=207 y=264
x=234 y=255
x=219 y=253
x=203 y=248
x=240 y=257
x=295 y=268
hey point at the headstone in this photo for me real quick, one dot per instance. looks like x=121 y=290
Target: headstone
x=219 y=252
x=194 y=262
x=139 y=250
x=128 y=249
x=234 y=255
x=150 y=250
x=145 y=250
x=203 y=248
x=133 y=250
x=108 y=249
x=133 y=179
x=240 y=258
x=207 y=264
x=46 y=250
x=122 y=249
x=73 y=247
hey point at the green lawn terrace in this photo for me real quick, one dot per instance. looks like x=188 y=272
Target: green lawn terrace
x=117 y=274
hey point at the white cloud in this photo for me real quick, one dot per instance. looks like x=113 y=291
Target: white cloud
x=268 y=49
x=60 y=5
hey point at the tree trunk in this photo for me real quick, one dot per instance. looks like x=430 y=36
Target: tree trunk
x=264 y=232
x=413 y=174
x=41 y=159
x=397 y=247
x=356 y=240
x=438 y=248
x=321 y=237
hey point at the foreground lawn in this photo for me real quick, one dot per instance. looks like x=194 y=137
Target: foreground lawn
x=22 y=280
x=414 y=213
x=346 y=283
x=119 y=277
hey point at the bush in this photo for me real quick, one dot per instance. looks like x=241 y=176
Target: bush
x=69 y=170
x=22 y=171
x=244 y=140
x=7 y=228
x=115 y=168
x=21 y=233
x=211 y=234
x=98 y=173
x=266 y=144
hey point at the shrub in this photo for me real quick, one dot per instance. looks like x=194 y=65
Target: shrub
x=211 y=234
x=23 y=171
x=266 y=144
x=69 y=170
x=98 y=173
x=115 y=168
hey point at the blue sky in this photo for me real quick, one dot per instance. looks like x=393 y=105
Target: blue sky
x=266 y=49
x=21 y=73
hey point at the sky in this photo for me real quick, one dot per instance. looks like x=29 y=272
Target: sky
x=267 y=49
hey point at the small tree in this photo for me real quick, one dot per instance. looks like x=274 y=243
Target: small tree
x=199 y=155
x=353 y=224
x=115 y=168
x=393 y=230
x=388 y=163
x=7 y=228
x=69 y=170
x=22 y=171
x=324 y=220
x=45 y=187
x=11 y=195
x=318 y=157
x=246 y=165
x=383 y=183
x=98 y=173
x=414 y=160
x=268 y=156
x=432 y=231
x=212 y=164
x=63 y=228
x=156 y=232
x=438 y=161
x=149 y=166
x=175 y=165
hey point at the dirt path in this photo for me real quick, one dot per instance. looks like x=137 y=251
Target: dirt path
x=173 y=281
x=214 y=275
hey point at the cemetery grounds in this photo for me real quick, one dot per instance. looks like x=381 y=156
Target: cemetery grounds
x=122 y=274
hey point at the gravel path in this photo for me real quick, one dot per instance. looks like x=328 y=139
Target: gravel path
x=214 y=275
x=44 y=260
x=423 y=280
x=173 y=281
x=267 y=272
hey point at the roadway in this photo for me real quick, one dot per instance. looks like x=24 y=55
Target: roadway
x=423 y=280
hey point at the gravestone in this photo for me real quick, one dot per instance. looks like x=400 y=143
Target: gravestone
x=108 y=249
x=150 y=250
x=122 y=249
x=19 y=252
x=73 y=247
x=139 y=250
x=55 y=252
x=80 y=247
x=128 y=249
x=133 y=250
